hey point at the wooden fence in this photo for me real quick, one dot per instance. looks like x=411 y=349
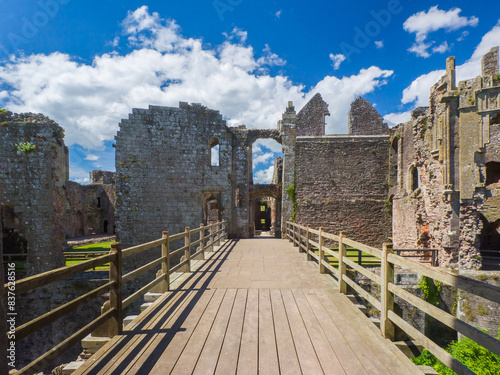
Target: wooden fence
x=110 y=322
x=308 y=239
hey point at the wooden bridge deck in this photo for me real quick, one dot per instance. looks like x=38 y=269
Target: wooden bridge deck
x=254 y=307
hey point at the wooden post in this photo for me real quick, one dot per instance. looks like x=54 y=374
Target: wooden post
x=294 y=235
x=288 y=231
x=387 y=298
x=342 y=267
x=321 y=242
x=212 y=238
x=202 y=238
x=308 y=245
x=115 y=294
x=187 y=252
x=219 y=232
x=165 y=266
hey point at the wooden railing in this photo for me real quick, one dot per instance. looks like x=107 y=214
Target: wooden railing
x=110 y=322
x=308 y=240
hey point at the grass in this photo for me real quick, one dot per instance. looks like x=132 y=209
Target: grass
x=103 y=247
x=352 y=254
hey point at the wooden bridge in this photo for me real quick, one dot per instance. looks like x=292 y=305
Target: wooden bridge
x=257 y=306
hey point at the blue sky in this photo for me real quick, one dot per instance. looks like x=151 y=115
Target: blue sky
x=86 y=64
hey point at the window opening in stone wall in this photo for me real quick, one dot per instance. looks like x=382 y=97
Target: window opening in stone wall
x=14 y=245
x=214 y=152
x=489 y=242
x=493 y=175
x=263 y=216
x=264 y=154
x=105 y=226
x=495 y=119
x=393 y=160
x=412 y=179
x=98 y=202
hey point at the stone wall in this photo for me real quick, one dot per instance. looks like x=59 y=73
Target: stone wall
x=311 y=118
x=341 y=185
x=365 y=120
x=91 y=207
x=32 y=195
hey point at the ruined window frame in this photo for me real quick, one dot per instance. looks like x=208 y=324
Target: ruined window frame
x=214 y=147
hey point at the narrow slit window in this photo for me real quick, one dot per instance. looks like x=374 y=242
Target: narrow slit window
x=214 y=152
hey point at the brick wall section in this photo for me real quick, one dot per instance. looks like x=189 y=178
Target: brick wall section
x=365 y=120
x=341 y=186
x=311 y=118
x=31 y=183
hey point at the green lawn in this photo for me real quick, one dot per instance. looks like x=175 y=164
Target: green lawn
x=103 y=247
x=366 y=259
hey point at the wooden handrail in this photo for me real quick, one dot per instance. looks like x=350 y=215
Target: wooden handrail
x=388 y=260
x=112 y=311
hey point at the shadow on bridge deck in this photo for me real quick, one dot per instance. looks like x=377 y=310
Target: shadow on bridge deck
x=253 y=307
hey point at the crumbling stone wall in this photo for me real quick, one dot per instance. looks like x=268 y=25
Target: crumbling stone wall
x=342 y=186
x=32 y=196
x=91 y=207
x=311 y=118
x=164 y=174
x=365 y=120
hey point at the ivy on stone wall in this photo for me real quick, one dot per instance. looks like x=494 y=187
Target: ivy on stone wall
x=291 y=191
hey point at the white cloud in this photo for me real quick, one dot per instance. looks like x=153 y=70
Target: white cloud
x=264 y=176
x=442 y=48
x=237 y=33
x=379 y=44
x=270 y=58
x=423 y=23
x=92 y=157
x=337 y=60
x=84 y=180
x=89 y=100
x=463 y=36
x=278 y=13
x=262 y=159
x=270 y=144
x=393 y=119
x=417 y=93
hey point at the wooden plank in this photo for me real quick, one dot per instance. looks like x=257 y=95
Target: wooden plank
x=460 y=326
x=389 y=346
x=346 y=324
x=331 y=252
x=182 y=322
x=37 y=281
x=367 y=249
x=136 y=348
x=378 y=346
x=248 y=361
x=431 y=346
x=178 y=266
x=142 y=247
x=332 y=269
x=189 y=357
x=475 y=287
x=268 y=354
x=325 y=353
x=178 y=251
x=207 y=362
x=105 y=359
x=59 y=349
x=53 y=315
x=331 y=236
x=287 y=355
x=131 y=275
x=308 y=360
x=228 y=359
x=178 y=236
x=345 y=354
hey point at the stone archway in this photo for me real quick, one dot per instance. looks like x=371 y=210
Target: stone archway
x=270 y=194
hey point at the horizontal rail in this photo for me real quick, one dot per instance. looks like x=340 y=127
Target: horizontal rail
x=50 y=317
x=365 y=248
x=363 y=293
x=178 y=251
x=372 y=276
x=178 y=266
x=143 y=247
x=330 y=236
x=42 y=279
x=131 y=275
x=39 y=363
x=467 y=284
x=177 y=236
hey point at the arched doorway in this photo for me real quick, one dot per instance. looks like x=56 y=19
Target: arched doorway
x=265 y=210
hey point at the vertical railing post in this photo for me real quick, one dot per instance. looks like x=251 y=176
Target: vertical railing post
x=387 y=297
x=321 y=253
x=165 y=265
x=115 y=294
x=288 y=229
x=219 y=232
x=294 y=235
x=187 y=252
x=202 y=240
x=342 y=267
x=308 y=245
x=211 y=238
